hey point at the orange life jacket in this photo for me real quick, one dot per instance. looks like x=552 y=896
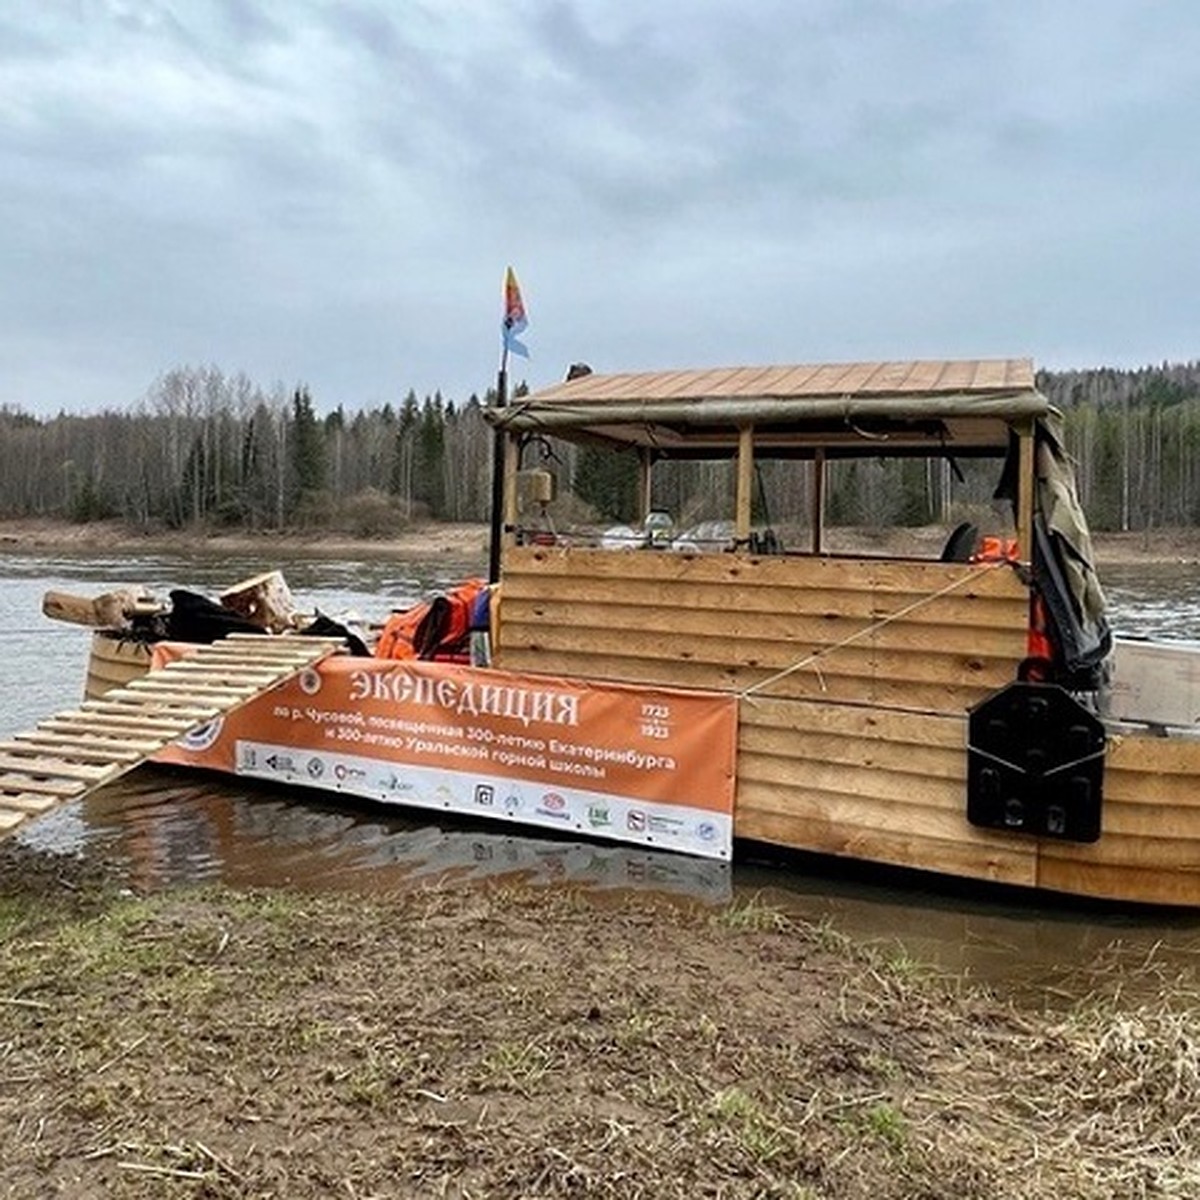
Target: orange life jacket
x=437 y=628
x=996 y=549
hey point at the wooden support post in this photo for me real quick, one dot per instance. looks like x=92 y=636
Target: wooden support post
x=1025 y=491
x=745 y=485
x=645 y=494
x=818 y=500
x=510 y=488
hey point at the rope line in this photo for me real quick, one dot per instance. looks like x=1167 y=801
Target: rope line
x=866 y=631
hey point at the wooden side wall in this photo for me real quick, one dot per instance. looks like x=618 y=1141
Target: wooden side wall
x=726 y=622
x=862 y=754
x=1149 y=849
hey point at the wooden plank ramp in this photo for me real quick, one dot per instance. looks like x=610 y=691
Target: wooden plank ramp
x=71 y=753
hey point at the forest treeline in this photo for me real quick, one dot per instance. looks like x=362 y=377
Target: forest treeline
x=213 y=451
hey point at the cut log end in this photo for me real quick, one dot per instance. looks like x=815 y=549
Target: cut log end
x=264 y=599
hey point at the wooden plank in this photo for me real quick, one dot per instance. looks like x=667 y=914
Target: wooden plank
x=744 y=490
x=105 y=722
x=871 y=795
x=846 y=752
x=880 y=575
x=1026 y=484
x=299 y=640
x=998 y=860
x=727 y=629
x=150 y=709
x=904 y=680
x=160 y=685
x=267 y=650
x=118 y=732
x=124 y=748
x=1149 y=884
x=53 y=768
x=831 y=593
x=920 y=662
x=200 y=672
x=170 y=704
x=60 y=752
x=48 y=787
x=179 y=695
x=27 y=803
x=1150 y=755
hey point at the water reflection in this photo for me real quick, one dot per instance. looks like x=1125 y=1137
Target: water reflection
x=168 y=826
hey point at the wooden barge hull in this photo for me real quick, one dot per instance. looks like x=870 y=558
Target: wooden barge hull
x=861 y=752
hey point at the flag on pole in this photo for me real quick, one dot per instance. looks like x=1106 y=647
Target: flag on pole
x=515 y=320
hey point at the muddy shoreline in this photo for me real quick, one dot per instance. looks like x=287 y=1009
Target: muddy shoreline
x=468 y=543
x=512 y=1042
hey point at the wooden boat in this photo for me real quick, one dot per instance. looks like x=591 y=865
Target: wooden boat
x=964 y=713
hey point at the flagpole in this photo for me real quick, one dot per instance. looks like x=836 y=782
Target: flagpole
x=498 y=437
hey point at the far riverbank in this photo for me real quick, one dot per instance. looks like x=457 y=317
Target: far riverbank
x=468 y=542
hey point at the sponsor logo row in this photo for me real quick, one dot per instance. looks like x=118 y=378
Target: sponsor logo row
x=600 y=817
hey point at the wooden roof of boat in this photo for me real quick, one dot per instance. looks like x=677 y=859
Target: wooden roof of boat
x=968 y=405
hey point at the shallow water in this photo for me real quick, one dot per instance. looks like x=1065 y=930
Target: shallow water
x=171 y=827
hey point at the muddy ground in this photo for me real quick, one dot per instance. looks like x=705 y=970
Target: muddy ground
x=520 y=1043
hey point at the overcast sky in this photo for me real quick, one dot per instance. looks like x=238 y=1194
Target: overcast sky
x=329 y=192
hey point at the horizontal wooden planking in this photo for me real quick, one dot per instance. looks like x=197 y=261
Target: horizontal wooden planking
x=787 y=629
x=1147 y=754
x=921 y=663
x=1153 y=792
x=853 y=675
x=855 y=720
x=994 y=858
x=1145 y=883
x=806 y=571
x=870 y=783
x=726 y=622
x=1165 y=848
x=868 y=800
x=991 y=609
x=852 y=605
x=847 y=752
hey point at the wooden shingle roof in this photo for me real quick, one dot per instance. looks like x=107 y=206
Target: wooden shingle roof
x=963 y=406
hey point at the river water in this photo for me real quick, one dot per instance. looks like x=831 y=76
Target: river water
x=169 y=827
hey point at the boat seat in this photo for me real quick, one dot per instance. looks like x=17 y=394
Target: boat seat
x=961 y=544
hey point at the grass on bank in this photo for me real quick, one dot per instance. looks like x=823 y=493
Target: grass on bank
x=515 y=1043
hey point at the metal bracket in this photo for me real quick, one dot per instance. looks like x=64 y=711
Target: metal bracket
x=1035 y=764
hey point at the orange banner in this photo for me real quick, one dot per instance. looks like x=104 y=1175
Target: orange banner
x=645 y=765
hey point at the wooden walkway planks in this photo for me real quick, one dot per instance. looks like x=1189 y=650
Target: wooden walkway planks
x=71 y=753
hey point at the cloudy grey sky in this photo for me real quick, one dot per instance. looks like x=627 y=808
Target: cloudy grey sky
x=329 y=192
